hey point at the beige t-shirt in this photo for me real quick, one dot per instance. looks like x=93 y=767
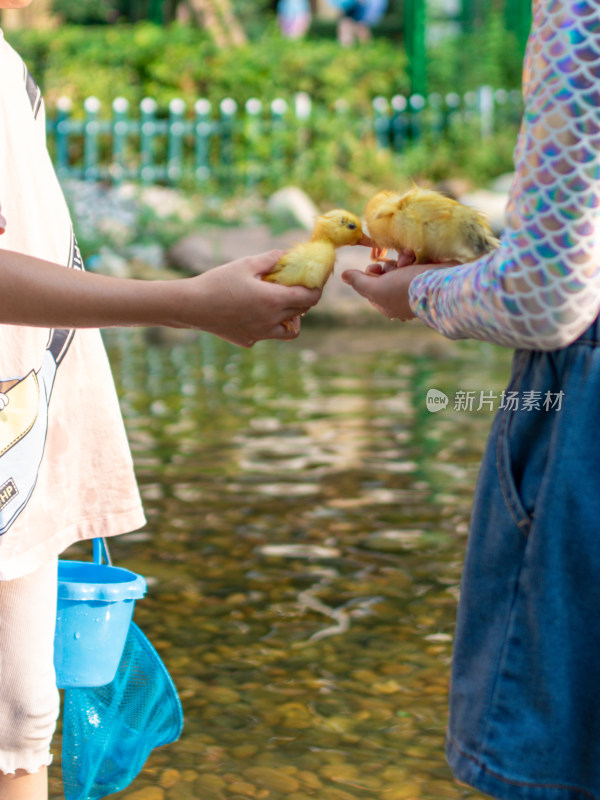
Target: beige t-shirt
x=66 y=471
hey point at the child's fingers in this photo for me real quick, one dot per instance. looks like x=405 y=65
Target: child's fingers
x=299 y=298
x=296 y=299
x=264 y=262
x=405 y=258
x=361 y=282
x=296 y=311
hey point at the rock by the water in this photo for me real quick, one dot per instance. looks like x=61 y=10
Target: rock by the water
x=109 y=263
x=503 y=183
x=492 y=203
x=216 y=245
x=293 y=208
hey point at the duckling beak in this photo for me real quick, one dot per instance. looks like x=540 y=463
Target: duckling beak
x=366 y=241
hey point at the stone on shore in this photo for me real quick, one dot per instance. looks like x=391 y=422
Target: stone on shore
x=492 y=203
x=291 y=207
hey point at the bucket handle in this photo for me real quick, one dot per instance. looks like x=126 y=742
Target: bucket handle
x=101 y=552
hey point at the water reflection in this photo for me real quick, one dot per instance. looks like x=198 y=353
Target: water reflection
x=307 y=519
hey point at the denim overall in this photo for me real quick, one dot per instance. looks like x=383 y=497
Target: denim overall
x=525 y=689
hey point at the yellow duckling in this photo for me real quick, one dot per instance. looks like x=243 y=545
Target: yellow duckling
x=432 y=226
x=311 y=263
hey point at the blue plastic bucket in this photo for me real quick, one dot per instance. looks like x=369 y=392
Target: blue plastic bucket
x=95 y=607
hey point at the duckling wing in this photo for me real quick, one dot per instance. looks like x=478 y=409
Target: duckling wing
x=308 y=264
x=445 y=230
x=479 y=237
x=464 y=237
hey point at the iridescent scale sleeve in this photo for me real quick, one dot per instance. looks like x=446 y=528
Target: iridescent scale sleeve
x=541 y=288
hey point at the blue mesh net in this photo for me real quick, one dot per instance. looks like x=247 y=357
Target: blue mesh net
x=109 y=731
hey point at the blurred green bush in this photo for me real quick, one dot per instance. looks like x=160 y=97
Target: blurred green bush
x=181 y=61
x=164 y=62
x=340 y=159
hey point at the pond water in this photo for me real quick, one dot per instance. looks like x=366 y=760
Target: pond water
x=307 y=519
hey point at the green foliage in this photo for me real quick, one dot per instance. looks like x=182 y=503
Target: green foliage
x=333 y=157
x=148 y=60
x=85 y=12
x=464 y=157
x=490 y=55
x=164 y=62
x=254 y=15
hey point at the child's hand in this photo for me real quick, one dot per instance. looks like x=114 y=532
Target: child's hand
x=233 y=302
x=386 y=285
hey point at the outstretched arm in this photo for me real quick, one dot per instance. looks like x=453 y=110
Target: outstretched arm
x=541 y=288
x=230 y=301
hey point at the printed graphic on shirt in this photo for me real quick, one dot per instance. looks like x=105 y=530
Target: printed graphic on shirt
x=33 y=92
x=24 y=407
x=7 y=491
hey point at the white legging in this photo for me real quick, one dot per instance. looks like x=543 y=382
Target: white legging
x=29 y=699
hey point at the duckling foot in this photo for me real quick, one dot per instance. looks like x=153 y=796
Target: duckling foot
x=292 y=325
x=378 y=254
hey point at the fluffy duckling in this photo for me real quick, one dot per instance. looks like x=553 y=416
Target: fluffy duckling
x=432 y=226
x=311 y=263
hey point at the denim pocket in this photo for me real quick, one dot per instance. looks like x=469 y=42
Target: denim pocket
x=508 y=484
x=524 y=435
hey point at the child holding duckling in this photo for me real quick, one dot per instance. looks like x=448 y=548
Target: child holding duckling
x=77 y=482
x=524 y=701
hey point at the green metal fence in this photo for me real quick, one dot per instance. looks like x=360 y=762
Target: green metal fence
x=262 y=141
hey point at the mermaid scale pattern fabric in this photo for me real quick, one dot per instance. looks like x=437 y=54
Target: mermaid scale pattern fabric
x=541 y=288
